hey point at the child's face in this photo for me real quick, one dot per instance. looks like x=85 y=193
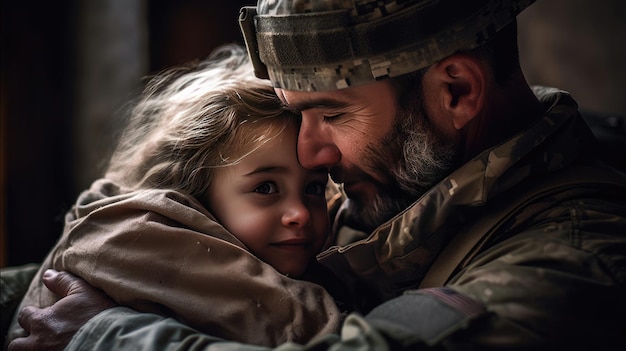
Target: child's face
x=273 y=205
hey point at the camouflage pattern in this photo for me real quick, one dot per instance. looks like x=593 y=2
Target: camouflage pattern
x=553 y=277
x=315 y=45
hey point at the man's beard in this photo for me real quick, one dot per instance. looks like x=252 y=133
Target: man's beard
x=421 y=157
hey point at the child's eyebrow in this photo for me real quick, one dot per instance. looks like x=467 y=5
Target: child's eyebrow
x=267 y=169
x=281 y=169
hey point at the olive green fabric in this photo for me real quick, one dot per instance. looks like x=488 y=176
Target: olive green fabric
x=160 y=251
x=14 y=282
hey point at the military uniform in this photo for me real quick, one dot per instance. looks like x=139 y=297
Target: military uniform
x=551 y=274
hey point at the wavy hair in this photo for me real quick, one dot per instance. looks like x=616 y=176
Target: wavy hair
x=194 y=118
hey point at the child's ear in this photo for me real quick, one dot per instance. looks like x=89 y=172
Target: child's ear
x=462 y=86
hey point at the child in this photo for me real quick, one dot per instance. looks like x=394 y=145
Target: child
x=204 y=213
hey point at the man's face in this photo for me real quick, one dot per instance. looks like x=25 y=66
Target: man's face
x=385 y=155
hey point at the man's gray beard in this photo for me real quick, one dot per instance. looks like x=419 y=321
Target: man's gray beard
x=426 y=158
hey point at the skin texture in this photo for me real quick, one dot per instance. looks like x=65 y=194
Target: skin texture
x=273 y=205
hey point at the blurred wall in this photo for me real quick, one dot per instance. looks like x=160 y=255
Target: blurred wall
x=36 y=78
x=67 y=69
x=110 y=46
x=68 y=66
x=579 y=46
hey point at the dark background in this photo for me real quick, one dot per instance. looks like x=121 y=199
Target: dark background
x=68 y=67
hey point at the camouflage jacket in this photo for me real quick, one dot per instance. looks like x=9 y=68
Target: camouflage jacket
x=545 y=272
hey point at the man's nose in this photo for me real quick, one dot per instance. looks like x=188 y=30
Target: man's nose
x=316 y=149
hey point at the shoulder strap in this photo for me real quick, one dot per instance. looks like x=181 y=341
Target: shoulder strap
x=464 y=246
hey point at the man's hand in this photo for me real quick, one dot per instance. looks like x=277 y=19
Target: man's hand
x=53 y=327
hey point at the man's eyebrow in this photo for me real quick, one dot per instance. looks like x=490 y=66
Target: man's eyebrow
x=327 y=103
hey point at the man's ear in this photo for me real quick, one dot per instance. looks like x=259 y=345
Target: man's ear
x=462 y=87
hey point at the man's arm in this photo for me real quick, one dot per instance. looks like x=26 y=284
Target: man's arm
x=417 y=319
x=121 y=328
x=86 y=319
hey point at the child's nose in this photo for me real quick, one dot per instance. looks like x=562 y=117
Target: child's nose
x=297 y=214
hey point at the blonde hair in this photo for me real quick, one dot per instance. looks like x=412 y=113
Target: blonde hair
x=194 y=118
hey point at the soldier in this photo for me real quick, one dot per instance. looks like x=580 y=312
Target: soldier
x=477 y=214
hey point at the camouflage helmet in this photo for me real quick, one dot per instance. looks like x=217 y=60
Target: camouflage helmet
x=315 y=45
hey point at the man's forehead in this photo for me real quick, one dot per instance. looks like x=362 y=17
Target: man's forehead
x=303 y=100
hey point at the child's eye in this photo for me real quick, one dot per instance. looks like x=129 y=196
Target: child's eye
x=266 y=188
x=318 y=189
